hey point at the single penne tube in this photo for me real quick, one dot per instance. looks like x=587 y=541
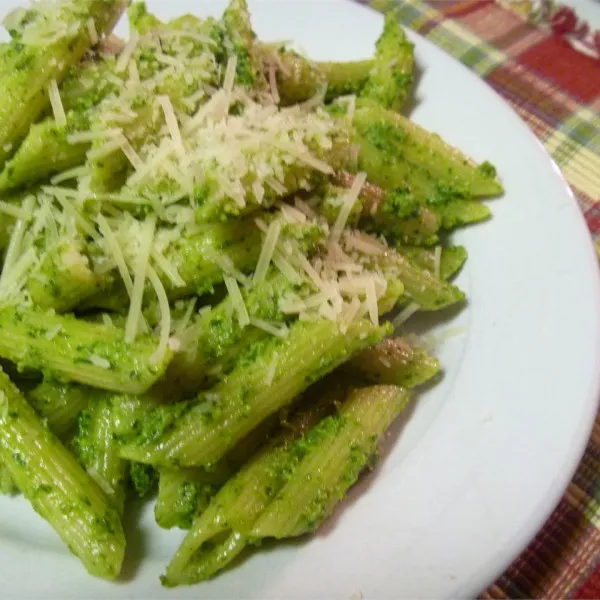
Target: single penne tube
x=395 y=362
x=398 y=152
x=335 y=453
x=96 y=450
x=57 y=487
x=298 y=79
x=76 y=350
x=391 y=77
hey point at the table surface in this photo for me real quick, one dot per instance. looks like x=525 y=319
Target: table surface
x=545 y=62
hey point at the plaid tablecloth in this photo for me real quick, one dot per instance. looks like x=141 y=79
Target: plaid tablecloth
x=526 y=50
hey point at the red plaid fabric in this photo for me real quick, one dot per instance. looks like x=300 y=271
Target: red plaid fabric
x=556 y=90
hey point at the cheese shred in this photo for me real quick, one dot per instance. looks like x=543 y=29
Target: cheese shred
x=272 y=369
x=93 y=33
x=127 y=52
x=405 y=314
x=134 y=316
x=437 y=261
x=167 y=268
x=267 y=250
x=278 y=330
x=165 y=316
x=115 y=250
x=371 y=301
x=171 y=121
x=239 y=306
x=347 y=206
x=58 y=109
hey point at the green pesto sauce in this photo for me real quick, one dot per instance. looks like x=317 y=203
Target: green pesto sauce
x=185 y=506
x=384 y=136
x=486 y=168
x=399 y=203
x=143 y=478
x=83 y=442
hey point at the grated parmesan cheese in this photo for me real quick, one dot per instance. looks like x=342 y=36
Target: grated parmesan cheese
x=52 y=333
x=92 y=136
x=310 y=160
x=437 y=261
x=73 y=173
x=91 y=27
x=65 y=198
x=303 y=207
x=348 y=203
x=14 y=281
x=167 y=268
x=116 y=81
x=226 y=265
x=113 y=117
x=56 y=103
x=183 y=322
x=371 y=302
x=273 y=84
x=242 y=158
x=115 y=250
x=278 y=330
x=276 y=186
x=15 y=243
x=349 y=313
x=102 y=483
x=406 y=313
x=174 y=344
x=237 y=300
x=54 y=21
x=165 y=317
x=259 y=191
x=271 y=370
x=105 y=149
x=267 y=250
x=292 y=215
x=202 y=39
x=286 y=269
x=14 y=211
x=134 y=75
x=292 y=304
x=229 y=76
x=385 y=362
x=367 y=244
x=171 y=61
x=130 y=153
x=98 y=361
x=132 y=324
x=127 y=52
x=310 y=271
x=171 y=121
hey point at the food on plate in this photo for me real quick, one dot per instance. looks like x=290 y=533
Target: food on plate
x=210 y=245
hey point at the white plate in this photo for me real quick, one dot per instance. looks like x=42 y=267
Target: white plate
x=487 y=453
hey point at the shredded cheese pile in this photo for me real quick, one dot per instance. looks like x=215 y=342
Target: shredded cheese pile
x=48 y=25
x=235 y=160
x=193 y=138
